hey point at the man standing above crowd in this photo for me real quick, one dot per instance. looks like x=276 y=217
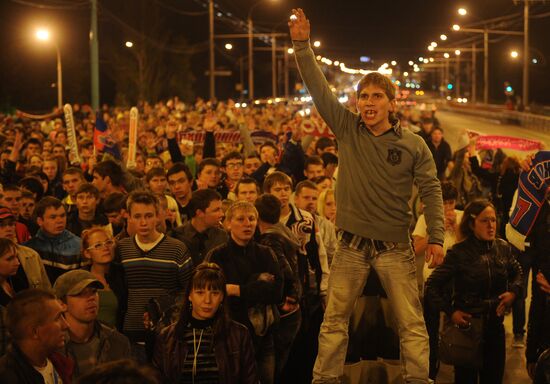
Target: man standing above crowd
x=378 y=164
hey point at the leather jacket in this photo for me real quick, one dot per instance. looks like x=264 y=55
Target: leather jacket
x=234 y=355
x=479 y=272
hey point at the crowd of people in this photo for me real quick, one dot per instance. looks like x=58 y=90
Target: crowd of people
x=236 y=245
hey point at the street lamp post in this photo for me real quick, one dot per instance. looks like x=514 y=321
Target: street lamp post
x=251 y=50
x=485 y=31
x=44 y=35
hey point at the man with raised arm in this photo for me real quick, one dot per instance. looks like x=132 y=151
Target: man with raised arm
x=378 y=164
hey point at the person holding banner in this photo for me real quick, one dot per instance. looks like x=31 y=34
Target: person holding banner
x=378 y=164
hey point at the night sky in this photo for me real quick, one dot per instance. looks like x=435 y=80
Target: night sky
x=384 y=30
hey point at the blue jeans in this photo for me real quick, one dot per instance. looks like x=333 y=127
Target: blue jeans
x=350 y=268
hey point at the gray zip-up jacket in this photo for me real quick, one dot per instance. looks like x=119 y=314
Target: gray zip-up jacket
x=375 y=173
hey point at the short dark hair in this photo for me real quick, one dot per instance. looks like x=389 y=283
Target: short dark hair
x=471 y=211
x=449 y=191
x=112 y=169
x=26 y=308
x=246 y=180
x=319 y=179
x=114 y=202
x=33 y=184
x=12 y=188
x=269 y=144
x=142 y=197
x=269 y=208
x=27 y=195
x=323 y=143
x=45 y=203
x=304 y=184
x=329 y=158
x=33 y=140
x=276 y=177
x=201 y=199
x=180 y=167
x=88 y=188
x=207 y=161
x=313 y=160
x=233 y=155
x=154 y=172
x=74 y=171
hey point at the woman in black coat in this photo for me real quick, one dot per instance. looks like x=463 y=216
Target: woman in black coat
x=204 y=345
x=485 y=278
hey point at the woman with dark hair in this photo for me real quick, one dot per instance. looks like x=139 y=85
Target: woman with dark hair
x=485 y=279
x=204 y=345
x=463 y=178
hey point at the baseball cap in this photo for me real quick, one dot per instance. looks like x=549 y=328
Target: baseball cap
x=73 y=282
x=6 y=213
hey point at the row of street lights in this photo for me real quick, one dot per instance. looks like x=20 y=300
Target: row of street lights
x=485 y=31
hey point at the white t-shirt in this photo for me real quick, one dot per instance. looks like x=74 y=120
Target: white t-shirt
x=450 y=238
x=49 y=373
x=146 y=247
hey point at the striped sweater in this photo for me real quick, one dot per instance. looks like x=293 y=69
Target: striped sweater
x=163 y=270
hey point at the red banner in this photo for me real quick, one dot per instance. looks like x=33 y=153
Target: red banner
x=221 y=136
x=507 y=142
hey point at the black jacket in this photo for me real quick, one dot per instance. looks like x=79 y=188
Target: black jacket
x=16 y=369
x=199 y=243
x=242 y=266
x=287 y=256
x=480 y=271
x=234 y=355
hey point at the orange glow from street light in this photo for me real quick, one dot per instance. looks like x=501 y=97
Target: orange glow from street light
x=456 y=27
x=317 y=44
x=43 y=34
x=462 y=11
x=443 y=37
x=457 y=52
x=514 y=54
x=446 y=55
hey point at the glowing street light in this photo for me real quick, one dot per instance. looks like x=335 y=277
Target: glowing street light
x=514 y=54
x=456 y=27
x=462 y=11
x=443 y=37
x=393 y=62
x=44 y=35
x=290 y=51
x=405 y=74
x=129 y=44
x=316 y=43
x=229 y=46
x=446 y=55
x=457 y=52
x=431 y=48
x=433 y=44
x=411 y=62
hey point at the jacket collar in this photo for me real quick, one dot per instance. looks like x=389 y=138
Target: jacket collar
x=395 y=128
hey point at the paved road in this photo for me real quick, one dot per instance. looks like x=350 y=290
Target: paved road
x=455 y=124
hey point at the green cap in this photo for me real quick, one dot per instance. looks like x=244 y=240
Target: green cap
x=73 y=282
